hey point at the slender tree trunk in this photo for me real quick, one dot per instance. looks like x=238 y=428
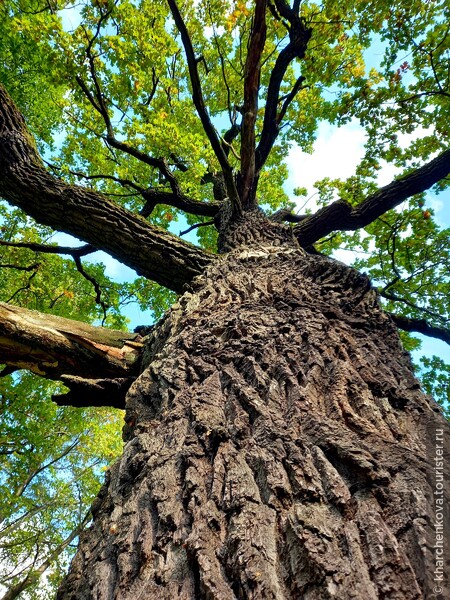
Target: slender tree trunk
x=278 y=447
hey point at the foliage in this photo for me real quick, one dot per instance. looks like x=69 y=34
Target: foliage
x=52 y=461
x=59 y=59
x=434 y=375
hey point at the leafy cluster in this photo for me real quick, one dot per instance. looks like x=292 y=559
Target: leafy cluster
x=52 y=461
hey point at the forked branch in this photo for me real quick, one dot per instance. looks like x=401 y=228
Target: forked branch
x=154 y=197
x=98 y=101
x=86 y=214
x=180 y=201
x=299 y=36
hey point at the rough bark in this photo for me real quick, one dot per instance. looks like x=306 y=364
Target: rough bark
x=278 y=447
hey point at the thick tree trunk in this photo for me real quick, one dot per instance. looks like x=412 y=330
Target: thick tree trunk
x=278 y=447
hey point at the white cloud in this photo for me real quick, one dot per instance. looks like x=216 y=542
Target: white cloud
x=209 y=31
x=71 y=18
x=437 y=204
x=337 y=152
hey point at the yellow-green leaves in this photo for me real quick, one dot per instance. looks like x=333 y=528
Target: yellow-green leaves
x=52 y=462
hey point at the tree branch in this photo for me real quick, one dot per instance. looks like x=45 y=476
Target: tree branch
x=196 y=226
x=48 y=249
x=80 y=175
x=97 y=100
x=252 y=75
x=340 y=216
x=94 y=392
x=286 y=214
x=158 y=163
x=197 y=97
x=229 y=137
x=86 y=214
x=154 y=197
x=421 y=326
x=390 y=296
x=76 y=254
x=95 y=283
x=32 y=267
x=19 y=492
x=26 y=286
x=299 y=36
x=180 y=201
x=289 y=97
x=54 y=346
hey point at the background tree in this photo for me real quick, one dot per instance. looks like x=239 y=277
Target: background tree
x=228 y=487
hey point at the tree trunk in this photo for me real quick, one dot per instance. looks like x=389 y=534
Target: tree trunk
x=278 y=447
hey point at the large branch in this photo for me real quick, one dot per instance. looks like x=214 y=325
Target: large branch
x=299 y=36
x=53 y=346
x=421 y=326
x=86 y=214
x=252 y=73
x=340 y=216
x=197 y=97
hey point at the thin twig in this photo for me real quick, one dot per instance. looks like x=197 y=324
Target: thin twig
x=32 y=267
x=98 y=289
x=47 y=249
x=204 y=224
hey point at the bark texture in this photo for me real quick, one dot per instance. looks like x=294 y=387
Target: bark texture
x=278 y=447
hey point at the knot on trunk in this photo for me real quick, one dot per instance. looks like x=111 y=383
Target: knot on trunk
x=252 y=228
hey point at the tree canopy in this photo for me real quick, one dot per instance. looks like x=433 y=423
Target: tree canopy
x=141 y=113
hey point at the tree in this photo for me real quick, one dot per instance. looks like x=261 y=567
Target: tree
x=274 y=427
